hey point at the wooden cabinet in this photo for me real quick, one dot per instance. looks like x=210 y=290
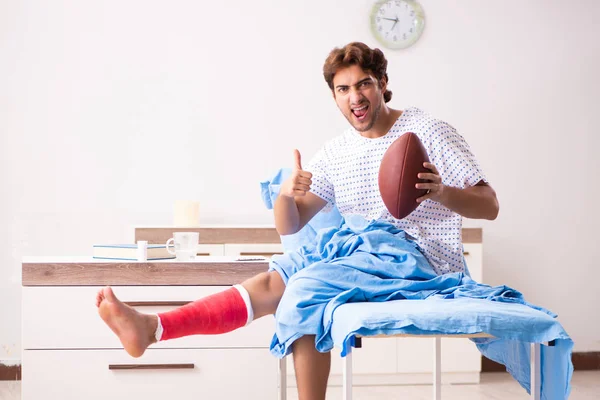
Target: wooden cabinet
x=70 y=354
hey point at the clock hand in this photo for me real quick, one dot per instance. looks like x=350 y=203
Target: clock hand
x=389 y=19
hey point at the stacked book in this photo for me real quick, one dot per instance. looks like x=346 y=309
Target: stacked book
x=130 y=252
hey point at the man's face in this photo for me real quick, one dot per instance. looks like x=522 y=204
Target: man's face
x=358 y=96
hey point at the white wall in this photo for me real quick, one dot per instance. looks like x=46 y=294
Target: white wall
x=110 y=111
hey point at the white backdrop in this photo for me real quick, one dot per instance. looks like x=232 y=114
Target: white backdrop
x=110 y=111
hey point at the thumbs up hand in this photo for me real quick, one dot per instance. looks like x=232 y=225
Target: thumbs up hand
x=297 y=160
x=299 y=182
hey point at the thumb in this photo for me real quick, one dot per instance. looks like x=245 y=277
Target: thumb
x=298 y=161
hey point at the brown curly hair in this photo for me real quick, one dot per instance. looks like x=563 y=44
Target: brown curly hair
x=357 y=53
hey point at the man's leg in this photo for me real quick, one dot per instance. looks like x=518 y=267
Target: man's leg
x=265 y=290
x=218 y=313
x=312 y=369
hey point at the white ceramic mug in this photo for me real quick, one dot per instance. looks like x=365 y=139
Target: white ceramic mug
x=185 y=244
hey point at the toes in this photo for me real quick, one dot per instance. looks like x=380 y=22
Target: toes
x=108 y=294
x=99 y=298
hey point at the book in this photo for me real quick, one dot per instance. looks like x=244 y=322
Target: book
x=129 y=252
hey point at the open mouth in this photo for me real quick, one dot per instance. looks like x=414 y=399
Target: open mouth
x=360 y=112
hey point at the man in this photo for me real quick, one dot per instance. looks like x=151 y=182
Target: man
x=301 y=287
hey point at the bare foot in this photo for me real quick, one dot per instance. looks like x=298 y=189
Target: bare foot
x=134 y=329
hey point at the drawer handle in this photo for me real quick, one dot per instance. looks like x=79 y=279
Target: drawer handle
x=264 y=254
x=149 y=366
x=156 y=303
x=466 y=253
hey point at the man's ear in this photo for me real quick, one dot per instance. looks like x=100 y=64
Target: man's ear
x=383 y=84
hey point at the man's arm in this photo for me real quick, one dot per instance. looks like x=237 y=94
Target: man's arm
x=477 y=202
x=296 y=205
x=292 y=213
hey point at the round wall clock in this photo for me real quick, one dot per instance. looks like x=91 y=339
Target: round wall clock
x=397 y=24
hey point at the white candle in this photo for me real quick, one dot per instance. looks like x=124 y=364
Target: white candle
x=186 y=213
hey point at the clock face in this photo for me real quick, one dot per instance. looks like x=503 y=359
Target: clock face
x=397 y=24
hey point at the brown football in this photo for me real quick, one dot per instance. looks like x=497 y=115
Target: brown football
x=401 y=163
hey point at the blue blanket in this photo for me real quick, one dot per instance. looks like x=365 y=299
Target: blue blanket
x=375 y=262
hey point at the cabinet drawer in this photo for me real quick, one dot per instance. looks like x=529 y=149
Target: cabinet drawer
x=180 y=374
x=253 y=249
x=67 y=318
x=210 y=250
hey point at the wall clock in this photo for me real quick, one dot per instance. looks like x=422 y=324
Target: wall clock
x=397 y=24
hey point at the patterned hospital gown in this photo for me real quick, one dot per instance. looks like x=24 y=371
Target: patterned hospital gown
x=345 y=173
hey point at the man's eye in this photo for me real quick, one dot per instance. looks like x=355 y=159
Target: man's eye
x=342 y=89
x=365 y=84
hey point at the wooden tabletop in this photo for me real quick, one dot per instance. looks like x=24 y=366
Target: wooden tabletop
x=66 y=271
